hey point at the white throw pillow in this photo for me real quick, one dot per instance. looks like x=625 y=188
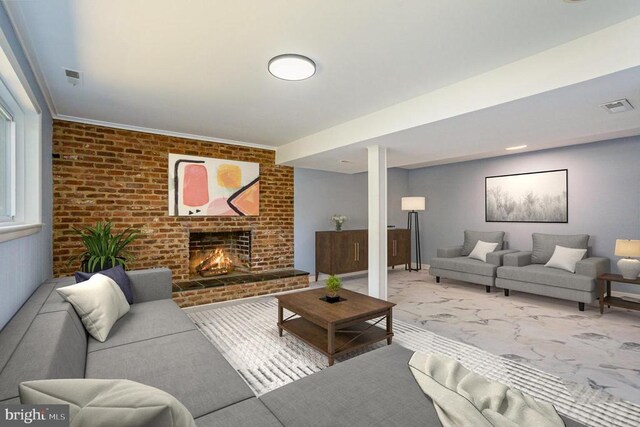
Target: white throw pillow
x=99 y=403
x=482 y=249
x=566 y=258
x=99 y=302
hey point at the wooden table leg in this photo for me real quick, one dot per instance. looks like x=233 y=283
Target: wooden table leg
x=279 y=319
x=389 y=325
x=609 y=291
x=331 y=342
x=601 y=295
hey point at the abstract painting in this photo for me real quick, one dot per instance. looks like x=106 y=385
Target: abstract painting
x=527 y=197
x=203 y=186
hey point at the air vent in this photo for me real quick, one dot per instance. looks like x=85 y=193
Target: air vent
x=619 y=106
x=73 y=77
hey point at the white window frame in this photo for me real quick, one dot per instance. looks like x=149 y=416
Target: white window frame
x=6 y=114
x=20 y=103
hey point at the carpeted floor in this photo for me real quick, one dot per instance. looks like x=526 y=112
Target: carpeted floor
x=587 y=348
x=247 y=336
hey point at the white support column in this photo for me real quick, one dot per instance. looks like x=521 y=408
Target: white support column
x=377 y=221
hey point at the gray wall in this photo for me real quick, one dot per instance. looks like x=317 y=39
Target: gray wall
x=26 y=262
x=604 y=196
x=604 y=199
x=319 y=195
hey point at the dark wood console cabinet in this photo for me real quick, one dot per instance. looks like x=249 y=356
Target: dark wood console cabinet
x=347 y=251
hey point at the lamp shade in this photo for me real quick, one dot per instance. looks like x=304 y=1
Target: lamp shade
x=629 y=248
x=413 y=203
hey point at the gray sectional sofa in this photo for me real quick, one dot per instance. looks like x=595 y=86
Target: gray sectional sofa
x=454 y=263
x=156 y=344
x=525 y=271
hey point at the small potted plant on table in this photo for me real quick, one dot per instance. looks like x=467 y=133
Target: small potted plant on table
x=338 y=220
x=332 y=286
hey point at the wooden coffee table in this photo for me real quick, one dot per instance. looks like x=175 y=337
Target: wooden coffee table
x=335 y=329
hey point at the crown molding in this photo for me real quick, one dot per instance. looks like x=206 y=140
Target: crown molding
x=162 y=132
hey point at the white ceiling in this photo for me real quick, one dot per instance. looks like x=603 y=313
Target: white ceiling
x=200 y=68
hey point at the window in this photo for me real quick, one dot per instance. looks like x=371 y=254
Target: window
x=7 y=166
x=20 y=150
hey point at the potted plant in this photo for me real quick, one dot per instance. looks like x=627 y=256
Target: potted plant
x=332 y=286
x=339 y=220
x=102 y=249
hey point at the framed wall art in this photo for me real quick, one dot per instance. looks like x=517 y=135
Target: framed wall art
x=203 y=186
x=527 y=197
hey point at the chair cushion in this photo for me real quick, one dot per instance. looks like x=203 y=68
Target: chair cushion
x=248 y=413
x=545 y=244
x=374 y=389
x=472 y=237
x=185 y=365
x=52 y=347
x=536 y=273
x=12 y=333
x=144 y=321
x=465 y=265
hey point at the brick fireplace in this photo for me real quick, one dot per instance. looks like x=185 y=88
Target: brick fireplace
x=102 y=173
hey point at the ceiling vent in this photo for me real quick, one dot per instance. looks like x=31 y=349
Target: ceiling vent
x=619 y=106
x=73 y=77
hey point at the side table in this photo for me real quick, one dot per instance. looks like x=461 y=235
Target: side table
x=615 y=301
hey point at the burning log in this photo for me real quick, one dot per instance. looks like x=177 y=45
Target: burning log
x=215 y=263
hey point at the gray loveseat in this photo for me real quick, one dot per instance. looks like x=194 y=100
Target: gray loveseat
x=454 y=263
x=525 y=271
x=156 y=344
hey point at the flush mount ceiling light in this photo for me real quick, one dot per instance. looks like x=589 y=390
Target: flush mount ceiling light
x=517 y=147
x=292 y=67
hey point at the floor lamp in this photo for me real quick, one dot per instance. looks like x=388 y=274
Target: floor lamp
x=413 y=205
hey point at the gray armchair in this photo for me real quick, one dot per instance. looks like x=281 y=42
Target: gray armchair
x=454 y=263
x=526 y=272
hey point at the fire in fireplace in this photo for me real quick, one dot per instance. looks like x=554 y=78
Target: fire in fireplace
x=218 y=253
x=215 y=264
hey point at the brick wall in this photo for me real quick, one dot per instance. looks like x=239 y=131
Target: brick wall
x=121 y=176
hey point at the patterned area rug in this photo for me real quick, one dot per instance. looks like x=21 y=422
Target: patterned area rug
x=247 y=336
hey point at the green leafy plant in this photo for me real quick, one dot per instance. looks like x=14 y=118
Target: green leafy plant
x=103 y=248
x=333 y=285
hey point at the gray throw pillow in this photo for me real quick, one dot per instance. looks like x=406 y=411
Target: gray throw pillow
x=471 y=239
x=102 y=403
x=545 y=244
x=117 y=274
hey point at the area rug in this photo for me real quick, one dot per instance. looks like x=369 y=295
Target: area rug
x=247 y=336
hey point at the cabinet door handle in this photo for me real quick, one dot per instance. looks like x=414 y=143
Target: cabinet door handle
x=394 y=250
x=355 y=252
